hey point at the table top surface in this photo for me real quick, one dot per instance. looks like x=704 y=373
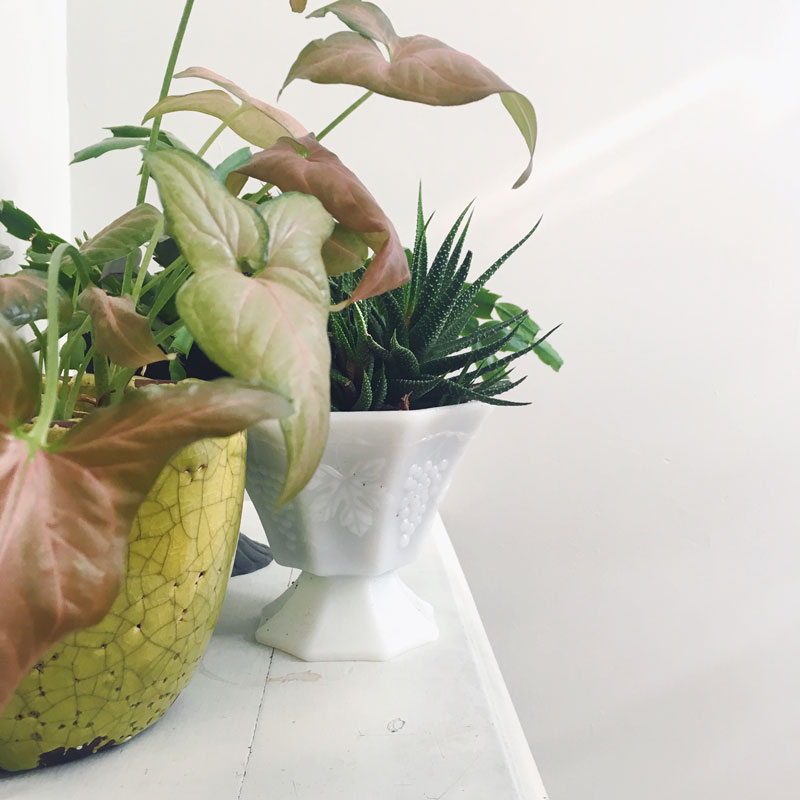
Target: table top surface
x=256 y=723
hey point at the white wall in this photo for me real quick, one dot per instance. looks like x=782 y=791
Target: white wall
x=33 y=114
x=631 y=538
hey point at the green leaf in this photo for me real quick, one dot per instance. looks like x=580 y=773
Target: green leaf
x=22 y=381
x=5 y=252
x=182 y=341
x=23 y=298
x=320 y=172
x=232 y=162
x=66 y=513
x=176 y=370
x=526 y=335
x=404 y=359
x=380 y=386
x=344 y=251
x=420 y=69
x=364 y=18
x=121 y=333
x=442 y=269
x=485 y=304
x=466 y=393
x=254 y=120
x=271 y=326
x=130 y=131
x=364 y=402
x=297 y=5
x=463 y=306
x=430 y=326
x=17 y=222
x=122 y=236
x=214 y=229
x=521 y=111
x=105 y=146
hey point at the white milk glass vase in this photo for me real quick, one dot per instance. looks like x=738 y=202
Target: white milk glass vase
x=366 y=512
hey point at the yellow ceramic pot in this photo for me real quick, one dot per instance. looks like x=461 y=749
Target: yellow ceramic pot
x=103 y=685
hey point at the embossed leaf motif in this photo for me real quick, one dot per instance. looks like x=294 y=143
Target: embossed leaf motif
x=65 y=513
x=304 y=165
x=254 y=120
x=19 y=400
x=23 y=298
x=271 y=326
x=121 y=333
x=420 y=68
x=116 y=240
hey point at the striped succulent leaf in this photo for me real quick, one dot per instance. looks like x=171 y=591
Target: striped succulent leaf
x=438 y=340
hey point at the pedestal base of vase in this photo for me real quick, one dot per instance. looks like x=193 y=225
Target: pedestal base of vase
x=352 y=618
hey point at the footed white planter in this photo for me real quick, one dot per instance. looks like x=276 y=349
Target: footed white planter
x=365 y=513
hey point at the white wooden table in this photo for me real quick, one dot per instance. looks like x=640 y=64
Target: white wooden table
x=256 y=724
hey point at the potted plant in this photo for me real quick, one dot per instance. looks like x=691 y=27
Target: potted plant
x=249 y=286
x=414 y=371
x=112 y=534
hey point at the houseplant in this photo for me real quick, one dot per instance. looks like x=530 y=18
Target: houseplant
x=61 y=557
x=413 y=373
x=237 y=259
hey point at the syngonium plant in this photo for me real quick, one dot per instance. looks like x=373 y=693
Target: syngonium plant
x=418 y=69
x=67 y=503
x=249 y=285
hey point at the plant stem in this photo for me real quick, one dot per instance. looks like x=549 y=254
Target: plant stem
x=343 y=116
x=168 y=73
x=174 y=283
x=148 y=256
x=166 y=272
x=40 y=341
x=38 y=435
x=122 y=379
x=168 y=330
x=101 y=379
x=64 y=364
x=256 y=196
x=217 y=131
x=75 y=388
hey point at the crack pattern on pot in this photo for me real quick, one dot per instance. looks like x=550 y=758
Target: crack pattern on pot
x=349 y=496
x=422 y=488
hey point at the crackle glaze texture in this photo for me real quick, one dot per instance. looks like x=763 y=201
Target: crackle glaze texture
x=369 y=505
x=105 y=684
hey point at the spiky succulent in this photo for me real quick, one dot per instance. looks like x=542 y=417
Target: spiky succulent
x=438 y=340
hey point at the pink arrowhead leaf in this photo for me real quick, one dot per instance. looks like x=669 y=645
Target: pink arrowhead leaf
x=271 y=326
x=65 y=512
x=364 y=18
x=123 y=235
x=19 y=400
x=254 y=120
x=322 y=174
x=23 y=298
x=121 y=333
x=278 y=319
x=420 y=69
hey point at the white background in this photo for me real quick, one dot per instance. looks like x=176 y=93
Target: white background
x=632 y=538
